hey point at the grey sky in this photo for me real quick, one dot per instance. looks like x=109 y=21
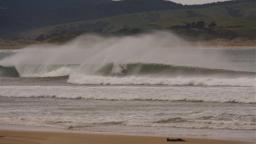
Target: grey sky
x=196 y=1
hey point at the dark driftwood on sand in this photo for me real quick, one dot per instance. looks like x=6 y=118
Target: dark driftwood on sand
x=175 y=140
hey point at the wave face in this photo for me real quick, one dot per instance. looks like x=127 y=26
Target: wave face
x=8 y=72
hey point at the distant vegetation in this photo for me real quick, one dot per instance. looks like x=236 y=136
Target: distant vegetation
x=21 y=15
x=57 y=23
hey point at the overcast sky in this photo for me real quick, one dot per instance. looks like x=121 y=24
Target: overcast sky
x=196 y=1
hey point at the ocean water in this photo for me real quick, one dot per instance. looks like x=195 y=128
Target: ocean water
x=166 y=99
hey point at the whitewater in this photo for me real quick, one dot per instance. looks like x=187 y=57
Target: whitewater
x=155 y=84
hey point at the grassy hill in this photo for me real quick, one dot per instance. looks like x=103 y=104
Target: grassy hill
x=21 y=15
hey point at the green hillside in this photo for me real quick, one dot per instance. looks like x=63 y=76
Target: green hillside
x=22 y=15
x=224 y=23
x=226 y=20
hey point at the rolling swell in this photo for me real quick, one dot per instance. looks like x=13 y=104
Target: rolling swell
x=164 y=69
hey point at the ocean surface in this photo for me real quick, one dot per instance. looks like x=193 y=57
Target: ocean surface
x=166 y=99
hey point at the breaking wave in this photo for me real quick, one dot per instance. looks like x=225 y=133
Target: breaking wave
x=136 y=74
x=157 y=58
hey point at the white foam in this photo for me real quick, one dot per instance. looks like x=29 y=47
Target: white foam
x=172 y=81
x=206 y=94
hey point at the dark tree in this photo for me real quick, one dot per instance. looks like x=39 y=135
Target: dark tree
x=212 y=25
x=200 y=24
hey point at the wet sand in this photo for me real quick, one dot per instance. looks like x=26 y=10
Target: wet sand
x=29 y=137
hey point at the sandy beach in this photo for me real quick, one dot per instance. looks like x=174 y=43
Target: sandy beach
x=26 y=137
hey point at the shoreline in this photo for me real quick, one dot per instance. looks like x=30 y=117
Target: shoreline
x=48 y=137
x=176 y=133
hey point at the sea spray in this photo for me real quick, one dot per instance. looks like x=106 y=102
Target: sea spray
x=156 y=54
